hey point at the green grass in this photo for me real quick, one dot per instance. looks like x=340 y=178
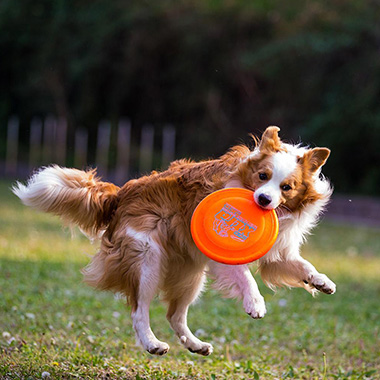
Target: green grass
x=51 y=322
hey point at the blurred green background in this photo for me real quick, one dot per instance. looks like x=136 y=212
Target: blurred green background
x=217 y=70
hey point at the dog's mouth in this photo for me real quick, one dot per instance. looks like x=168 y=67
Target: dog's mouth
x=281 y=210
x=267 y=208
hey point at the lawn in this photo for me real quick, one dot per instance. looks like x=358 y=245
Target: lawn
x=54 y=326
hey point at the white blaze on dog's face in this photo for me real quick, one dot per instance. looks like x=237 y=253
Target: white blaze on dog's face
x=277 y=176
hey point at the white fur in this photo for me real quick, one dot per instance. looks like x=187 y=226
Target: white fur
x=52 y=187
x=149 y=282
x=41 y=190
x=283 y=165
x=236 y=281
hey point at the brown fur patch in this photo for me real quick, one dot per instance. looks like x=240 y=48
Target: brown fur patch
x=310 y=163
x=314 y=159
x=270 y=142
x=274 y=275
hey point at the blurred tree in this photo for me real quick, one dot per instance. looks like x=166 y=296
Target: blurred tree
x=215 y=69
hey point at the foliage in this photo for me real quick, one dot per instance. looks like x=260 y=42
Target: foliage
x=216 y=69
x=53 y=323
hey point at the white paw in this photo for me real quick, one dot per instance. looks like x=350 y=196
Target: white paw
x=197 y=346
x=158 y=348
x=255 y=307
x=322 y=283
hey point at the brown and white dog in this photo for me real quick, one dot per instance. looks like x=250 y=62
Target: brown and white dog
x=144 y=228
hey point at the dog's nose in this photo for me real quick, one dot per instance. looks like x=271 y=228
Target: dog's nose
x=264 y=200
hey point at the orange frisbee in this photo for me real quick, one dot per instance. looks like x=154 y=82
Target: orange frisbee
x=228 y=226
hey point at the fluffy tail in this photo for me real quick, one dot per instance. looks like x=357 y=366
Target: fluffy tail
x=77 y=196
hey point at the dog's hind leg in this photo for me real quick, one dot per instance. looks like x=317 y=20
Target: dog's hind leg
x=148 y=285
x=177 y=314
x=236 y=281
x=141 y=325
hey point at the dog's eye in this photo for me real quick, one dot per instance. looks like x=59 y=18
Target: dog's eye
x=286 y=187
x=263 y=176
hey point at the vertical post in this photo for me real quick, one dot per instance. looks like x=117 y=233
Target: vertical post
x=104 y=133
x=12 y=146
x=61 y=136
x=146 y=148
x=168 y=145
x=123 y=151
x=81 y=144
x=35 y=143
x=49 y=139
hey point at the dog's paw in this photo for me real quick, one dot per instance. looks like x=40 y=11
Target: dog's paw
x=158 y=348
x=322 y=283
x=255 y=308
x=197 y=346
x=205 y=350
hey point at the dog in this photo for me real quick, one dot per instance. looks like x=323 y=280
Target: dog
x=144 y=229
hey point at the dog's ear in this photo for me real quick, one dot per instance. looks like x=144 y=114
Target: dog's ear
x=270 y=142
x=313 y=159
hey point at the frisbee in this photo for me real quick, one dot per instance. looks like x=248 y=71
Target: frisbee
x=229 y=227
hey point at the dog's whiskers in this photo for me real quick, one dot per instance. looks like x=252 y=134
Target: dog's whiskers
x=283 y=211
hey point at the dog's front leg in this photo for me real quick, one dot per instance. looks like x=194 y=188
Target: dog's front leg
x=236 y=281
x=315 y=279
x=295 y=272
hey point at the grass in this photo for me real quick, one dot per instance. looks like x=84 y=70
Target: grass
x=50 y=322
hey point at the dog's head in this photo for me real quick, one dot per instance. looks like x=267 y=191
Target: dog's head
x=282 y=174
